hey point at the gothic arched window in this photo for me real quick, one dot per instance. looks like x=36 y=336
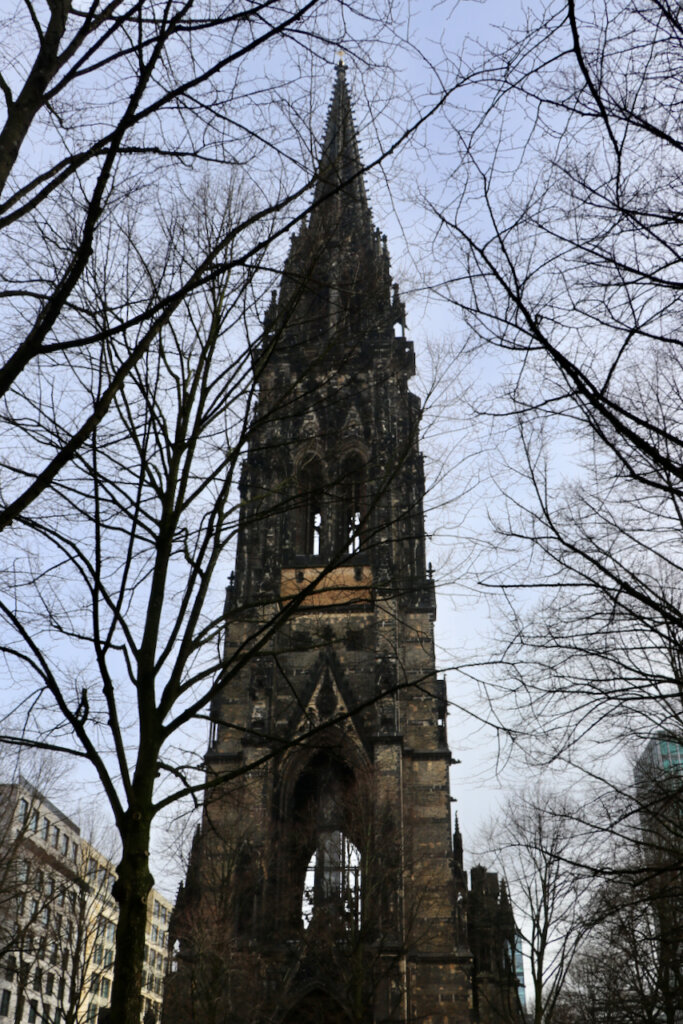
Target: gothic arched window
x=352 y=494
x=327 y=855
x=310 y=526
x=333 y=881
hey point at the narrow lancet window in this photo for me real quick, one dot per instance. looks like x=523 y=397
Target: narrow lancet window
x=316 y=529
x=311 y=521
x=354 y=532
x=352 y=501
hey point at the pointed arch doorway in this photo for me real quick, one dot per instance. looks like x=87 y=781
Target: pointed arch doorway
x=317 y=1007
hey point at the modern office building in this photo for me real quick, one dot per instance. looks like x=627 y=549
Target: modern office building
x=659 y=789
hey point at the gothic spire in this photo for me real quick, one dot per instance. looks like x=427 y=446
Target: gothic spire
x=336 y=282
x=341 y=170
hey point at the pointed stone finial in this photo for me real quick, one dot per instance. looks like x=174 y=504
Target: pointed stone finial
x=398 y=314
x=340 y=162
x=270 y=315
x=457 y=845
x=338 y=245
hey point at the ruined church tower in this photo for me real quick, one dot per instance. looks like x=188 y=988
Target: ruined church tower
x=323 y=885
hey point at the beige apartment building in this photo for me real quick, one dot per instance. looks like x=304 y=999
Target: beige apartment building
x=58 y=918
x=96 y=991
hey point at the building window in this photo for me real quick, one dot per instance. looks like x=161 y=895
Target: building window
x=104 y=988
x=352 y=494
x=23 y=811
x=49 y=984
x=32 y=1012
x=55 y=836
x=4 y=1002
x=310 y=540
x=35 y=820
x=45 y=830
x=333 y=880
x=316 y=533
x=65 y=844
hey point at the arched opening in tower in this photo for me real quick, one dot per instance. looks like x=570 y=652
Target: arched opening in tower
x=316 y=1007
x=327 y=855
x=310 y=527
x=352 y=489
x=333 y=881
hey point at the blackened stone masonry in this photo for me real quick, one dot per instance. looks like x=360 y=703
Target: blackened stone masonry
x=324 y=885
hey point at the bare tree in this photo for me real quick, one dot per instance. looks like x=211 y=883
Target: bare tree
x=539 y=845
x=617 y=975
x=115 y=626
x=110 y=113
x=156 y=157
x=628 y=967
x=564 y=213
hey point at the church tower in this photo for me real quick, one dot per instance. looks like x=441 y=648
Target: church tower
x=323 y=885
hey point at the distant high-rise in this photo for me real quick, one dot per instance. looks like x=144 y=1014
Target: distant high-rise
x=659 y=788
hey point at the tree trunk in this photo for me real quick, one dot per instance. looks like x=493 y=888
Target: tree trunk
x=131 y=891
